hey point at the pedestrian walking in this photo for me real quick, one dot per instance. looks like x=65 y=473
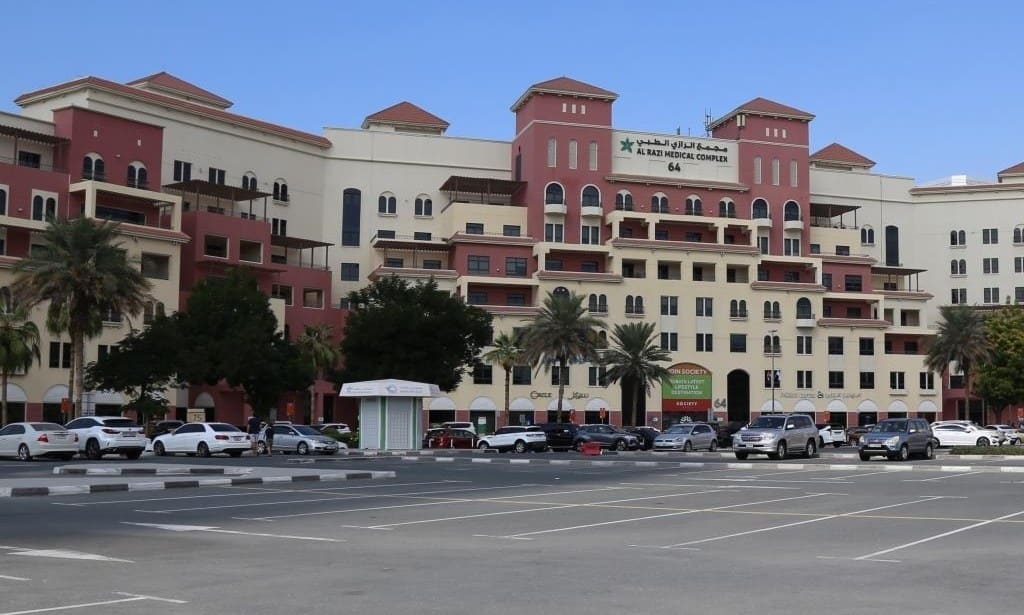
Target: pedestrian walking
x=253 y=429
x=268 y=437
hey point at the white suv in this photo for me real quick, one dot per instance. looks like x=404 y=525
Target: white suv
x=100 y=435
x=518 y=439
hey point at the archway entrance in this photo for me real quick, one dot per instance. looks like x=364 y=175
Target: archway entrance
x=738 y=396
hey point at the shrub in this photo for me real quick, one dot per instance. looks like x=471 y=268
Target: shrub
x=350 y=440
x=987 y=450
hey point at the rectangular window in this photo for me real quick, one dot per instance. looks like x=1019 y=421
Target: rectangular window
x=54 y=354
x=552 y=152
x=278 y=227
x=835 y=380
x=910 y=347
x=991 y=295
x=215 y=246
x=791 y=247
x=394 y=262
x=737 y=342
x=483 y=374
x=474 y=228
x=515 y=299
x=990 y=265
x=351 y=208
x=692 y=236
x=990 y=235
x=1018 y=264
x=283 y=292
x=1018 y=294
x=803 y=344
x=704 y=306
x=515 y=266
x=511 y=230
x=757 y=169
x=669 y=341
x=853 y=283
x=216 y=176
x=421 y=236
x=554 y=232
x=815 y=248
x=182 y=171
x=958 y=296
x=559 y=375
x=704 y=342
x=431 y=263
x=522 y=374
x=590 y=235
x=772 y=378
x=853 y=312
x=553 y=264
x=927 y=381
x=477 y=298
x=867 y=380
x=842 y=250
x=775 y=171
x=835 y=345
x=156 y=266
x=790 y=276
x=589 y=267
x=867 y=346
x=350 y=272
x=313 y=298
x=29 y=159
x=573 y=153
x=250 y=251
x=897 y=381
x=762 y=244
x=804 y=380
x=669 y=305
x=826 y=280
x=597 y=376
x=794 y=175
x=478 y=264
x=592 y=156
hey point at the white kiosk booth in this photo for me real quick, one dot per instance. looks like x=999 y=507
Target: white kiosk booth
x=390 y=412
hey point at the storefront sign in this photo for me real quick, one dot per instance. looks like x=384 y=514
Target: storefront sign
x=676 y=157
x=687 y=388
x=569 y=395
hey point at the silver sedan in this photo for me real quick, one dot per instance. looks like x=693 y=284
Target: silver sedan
x=301 y=439
x=687 y=437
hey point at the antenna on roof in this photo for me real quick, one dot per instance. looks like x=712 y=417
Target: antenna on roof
x=678 y=130
x=708 y=118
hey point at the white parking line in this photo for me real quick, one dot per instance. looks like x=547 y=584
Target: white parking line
x=216 y=530
x=10 y=578
x=68 y=607
x=925 y=480
x=872 y=556
x=793 y=524
x=672 y=514
x=715 y=486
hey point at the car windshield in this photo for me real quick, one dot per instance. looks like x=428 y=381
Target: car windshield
x=768 y=422
x=306 y=430
x=898 y=426
x=47 y=427
x=223 y=427
x=119 y=423
x=679 y=429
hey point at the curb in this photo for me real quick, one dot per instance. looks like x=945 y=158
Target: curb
x=697 y=454
x=128 y=471
x=185 y=484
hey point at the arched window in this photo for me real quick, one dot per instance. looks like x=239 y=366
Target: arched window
x=280 y=190
x=693 y=206
x=867 y=235
x=737 y=308
x=602 y=303
x=624 y=201
x=630 y=304
x=93 y=167
x=138 y=177
x=51 y=208
x=592 y=303
x=590 y=197
x=43 y=209
x=554 y=194
x=387 y=204
x=249 y=182
x=726 y=209
x=560 y=291
x=803 y=308
x=791 y=211
x=772 y=310
x=776 y=310
x=639 y=305
x=3 y=202
x=759 y=209
x=659 y=203
x=1018 y=234
x=424 y=206
x=772 y=344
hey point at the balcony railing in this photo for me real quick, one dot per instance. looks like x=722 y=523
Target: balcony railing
x=31 y=165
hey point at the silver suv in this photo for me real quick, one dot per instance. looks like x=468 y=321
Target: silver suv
x=776 y=435
x=898 y=439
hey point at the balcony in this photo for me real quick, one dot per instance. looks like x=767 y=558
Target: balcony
x=806 y=320
x=738 y=315
x=556 y=209
x=591 y=211
x=793 y=224
x=762 y=222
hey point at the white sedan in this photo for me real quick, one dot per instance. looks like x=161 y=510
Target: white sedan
x=28 y=440
x=203 y=439
x=960 y=434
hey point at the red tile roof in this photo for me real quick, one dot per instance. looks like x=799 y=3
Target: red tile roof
x=168 y=101
x=1017 y=169
x=763 y=106
x=564 y=85
x=166 y=81
x=835 y=152
x=405 y=113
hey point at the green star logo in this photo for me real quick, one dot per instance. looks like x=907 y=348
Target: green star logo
x=627 y=145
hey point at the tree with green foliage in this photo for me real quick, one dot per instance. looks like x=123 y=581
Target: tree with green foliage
x=19 y=343
x=321 y=351
x=960 y=340
x=143 y=365
x=228 y=332
x=560 y=334
x=635 y=357
x=998 y=379
x=84 y=273
x=412 y=332
x=507 y=353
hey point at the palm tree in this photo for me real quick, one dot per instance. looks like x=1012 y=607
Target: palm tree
x=19 y=342
x=317 y=346
x=507 y=353
x=560 y=333
x=83 y=273
x=961 y=340
x=635 y=356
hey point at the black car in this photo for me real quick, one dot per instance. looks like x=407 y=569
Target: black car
x=159 y=428
x=645 y=434
x=561 y=436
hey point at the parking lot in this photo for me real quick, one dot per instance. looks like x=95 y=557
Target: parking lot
x=464 y=537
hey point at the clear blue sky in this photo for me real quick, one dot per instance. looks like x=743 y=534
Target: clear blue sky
x=926 y=89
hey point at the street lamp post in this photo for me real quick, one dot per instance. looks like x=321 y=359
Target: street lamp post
x=771 y=348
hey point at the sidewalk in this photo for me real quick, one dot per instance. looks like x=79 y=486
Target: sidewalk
x=174 y=476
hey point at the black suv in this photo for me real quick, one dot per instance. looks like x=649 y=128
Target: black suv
x=561 y=436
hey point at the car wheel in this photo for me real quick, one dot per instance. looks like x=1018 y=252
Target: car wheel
x=261 y=448
x=742 y=455
x=781 y=450
x=578 y=445
x=811 y=450
x=23 y=453
x=520 y=446
x=929 y=451
x=687 y=447
x=904 y=453
x=865 y=457
x=821 y=442
x=620 y=445
x=482 y=446
x=203 y=450
x=235 y=453
x=159 y=450
x=92 y=450
x=982 y=442
x=302 y=448
x=713 y=446
x=133 y=455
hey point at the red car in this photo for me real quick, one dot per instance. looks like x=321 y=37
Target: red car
x=444 y=437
